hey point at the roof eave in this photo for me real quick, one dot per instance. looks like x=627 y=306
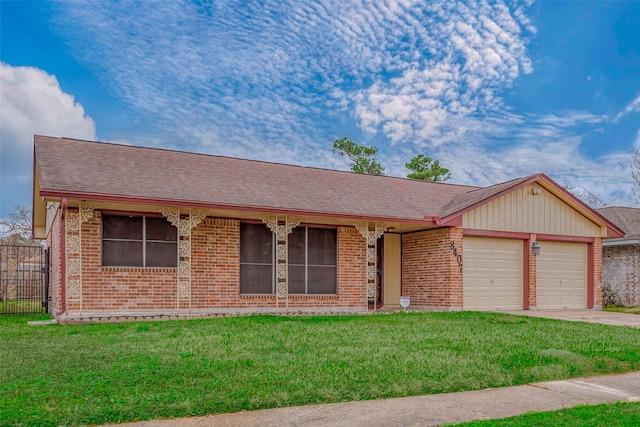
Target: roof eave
x=612 y=231
x=208 y=205
x=38 y=208
x=621 y=242
x=456 y=217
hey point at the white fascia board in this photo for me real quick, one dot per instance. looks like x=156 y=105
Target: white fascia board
x=622 y=242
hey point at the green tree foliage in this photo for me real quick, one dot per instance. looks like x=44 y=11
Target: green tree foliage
x=427 y=169
x=363 y=159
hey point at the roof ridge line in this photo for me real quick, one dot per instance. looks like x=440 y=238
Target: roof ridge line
x=174 y=150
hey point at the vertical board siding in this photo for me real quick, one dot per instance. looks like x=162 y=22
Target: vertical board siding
x=522 y=211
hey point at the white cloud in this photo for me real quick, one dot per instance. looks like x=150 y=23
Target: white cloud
x=241 y=73
x=276 y=79
x=32 y=102
x=633 y=106
x=491 y=149
x=468 y=56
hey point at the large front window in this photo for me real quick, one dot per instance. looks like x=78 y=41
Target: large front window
x=312 y=260
x=138 y=241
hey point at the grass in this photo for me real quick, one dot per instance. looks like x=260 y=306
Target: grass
x=606 y=415
x=21 y=306
x=93 y=374
x=632 y=310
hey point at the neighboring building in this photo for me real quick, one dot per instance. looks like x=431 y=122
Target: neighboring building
x=146 y=232
x=621 y=257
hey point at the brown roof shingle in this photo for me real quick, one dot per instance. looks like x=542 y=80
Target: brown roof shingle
x=76 y=167
x=627 y=219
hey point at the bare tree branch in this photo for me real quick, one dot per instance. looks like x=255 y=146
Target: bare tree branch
x=17 y=229
x=587 y=196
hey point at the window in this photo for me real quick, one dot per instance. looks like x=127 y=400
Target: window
x=312 y=260
x=256 y=259
x=138 y=242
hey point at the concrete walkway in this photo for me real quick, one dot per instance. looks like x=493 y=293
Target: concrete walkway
x=591 y=316
x=431 y=410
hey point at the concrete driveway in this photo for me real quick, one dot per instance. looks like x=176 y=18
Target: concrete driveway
x=591 y=316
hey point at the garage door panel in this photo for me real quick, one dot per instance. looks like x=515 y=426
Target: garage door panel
x=561 y=275
x=492 y=274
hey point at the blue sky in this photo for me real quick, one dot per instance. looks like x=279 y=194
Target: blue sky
x=493 y=90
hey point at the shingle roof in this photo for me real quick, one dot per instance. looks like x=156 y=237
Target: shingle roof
x=478 y=195
x=628 y=219
x=84 y=168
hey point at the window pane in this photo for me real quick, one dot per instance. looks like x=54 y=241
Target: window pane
x=121 y=253
x=161 y=254
x=122 y=227
x=322 y=246
x=296 y=279
x=296 y=246
x=322 y=280
x=161 y=229
x=256 y=243
x=255 y=279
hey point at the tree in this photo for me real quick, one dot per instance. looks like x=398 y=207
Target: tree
x=17 y=229
x=427 y=169
x=587 y=196
x=363 y=158
x=635 y=172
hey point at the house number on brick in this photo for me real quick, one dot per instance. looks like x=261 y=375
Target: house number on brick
x=455 y=254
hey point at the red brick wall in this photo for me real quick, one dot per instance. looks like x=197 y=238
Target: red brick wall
x=352 y=270
x=532 y=272
x=215 y=263
x=215 y=271
x=431 y=275
x=120 y=288
x=215 y=275
x=597 y=273
x=55 y=279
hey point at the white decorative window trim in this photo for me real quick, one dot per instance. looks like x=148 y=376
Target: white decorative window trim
x=371 y=241
x=184 y=226
x=282 y=232
x=73 y=244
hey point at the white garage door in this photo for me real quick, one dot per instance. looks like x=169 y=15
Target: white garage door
x=492 y=274
x=561 y=275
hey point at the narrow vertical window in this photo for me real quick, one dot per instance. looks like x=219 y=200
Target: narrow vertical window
x=322 y=256
x=256 y=259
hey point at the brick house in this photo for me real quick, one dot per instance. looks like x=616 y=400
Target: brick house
x=147 y=232
x=621 y=256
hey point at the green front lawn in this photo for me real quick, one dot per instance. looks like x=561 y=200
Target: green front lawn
x=632 y=310
x=92 y=374
x=606 y=415
x=21 y=306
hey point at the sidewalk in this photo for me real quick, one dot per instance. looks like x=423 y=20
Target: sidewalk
x=431 y=410
x=590 y=316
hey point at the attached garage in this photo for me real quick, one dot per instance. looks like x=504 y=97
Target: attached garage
x=492 y=274
x=561 y=271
